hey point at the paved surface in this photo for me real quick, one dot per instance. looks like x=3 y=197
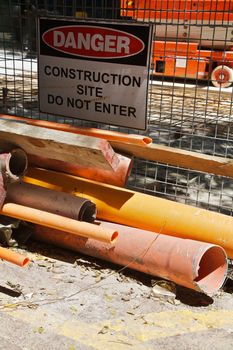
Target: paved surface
x=63 y=300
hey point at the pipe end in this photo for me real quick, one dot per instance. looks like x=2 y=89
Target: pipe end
x=25 y=262
x=17 y=163
x=88 y=212
x=114 y=237
x=212 y=270
x=147 y=140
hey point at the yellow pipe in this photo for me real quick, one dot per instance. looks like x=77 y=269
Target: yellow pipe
x=143 y=211
x=58 y=222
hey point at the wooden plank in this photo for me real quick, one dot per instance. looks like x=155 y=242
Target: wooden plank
x=60 y=145
x=177 y=157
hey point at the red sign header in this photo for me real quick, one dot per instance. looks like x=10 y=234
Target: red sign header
x=93 y=41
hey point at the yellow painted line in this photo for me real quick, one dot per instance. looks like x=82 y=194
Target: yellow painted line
x=131 y=330
x=171 y=323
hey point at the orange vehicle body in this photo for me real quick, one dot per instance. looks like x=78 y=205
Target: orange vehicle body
x=204 y=10
x=192 y=39
x=187 y=61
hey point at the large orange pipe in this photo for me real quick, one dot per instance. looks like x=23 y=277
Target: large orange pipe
x=192 y=264
x=100 y=133
x=118 y=177
x=143 y=211
x=58 y=222
x=13 y=257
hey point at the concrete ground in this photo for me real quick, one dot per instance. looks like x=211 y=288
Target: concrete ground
x=67 y=301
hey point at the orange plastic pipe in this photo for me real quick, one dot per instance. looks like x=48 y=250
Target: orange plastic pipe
x=192 y=264
x=100 y=133
x=13 y=257
x=143 y=211
x=118 y=177
x=58 y=222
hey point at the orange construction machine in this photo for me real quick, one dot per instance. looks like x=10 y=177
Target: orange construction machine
x=192 y=38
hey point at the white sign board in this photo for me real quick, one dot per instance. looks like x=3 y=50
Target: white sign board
x=94 y=71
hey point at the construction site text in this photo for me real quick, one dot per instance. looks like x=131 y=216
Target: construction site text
x=93 y=76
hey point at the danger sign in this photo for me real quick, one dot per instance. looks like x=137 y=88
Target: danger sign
x=94 y=71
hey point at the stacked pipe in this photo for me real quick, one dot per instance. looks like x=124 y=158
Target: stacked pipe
x=43 y=206
x=142 y=211
x=163 y=238
x=156 y=254
x=188 y=262
x=13 y=166
x=56 y=210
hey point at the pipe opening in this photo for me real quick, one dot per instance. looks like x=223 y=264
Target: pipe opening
x=26 y=261
x=18 y=162
x=88 y=212
x=147 y=140
x=114 y=237
x=212 y=270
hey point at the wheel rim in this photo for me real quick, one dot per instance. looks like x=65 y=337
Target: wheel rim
x=222 y=76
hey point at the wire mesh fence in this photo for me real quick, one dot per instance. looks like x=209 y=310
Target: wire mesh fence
x=190 y=92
